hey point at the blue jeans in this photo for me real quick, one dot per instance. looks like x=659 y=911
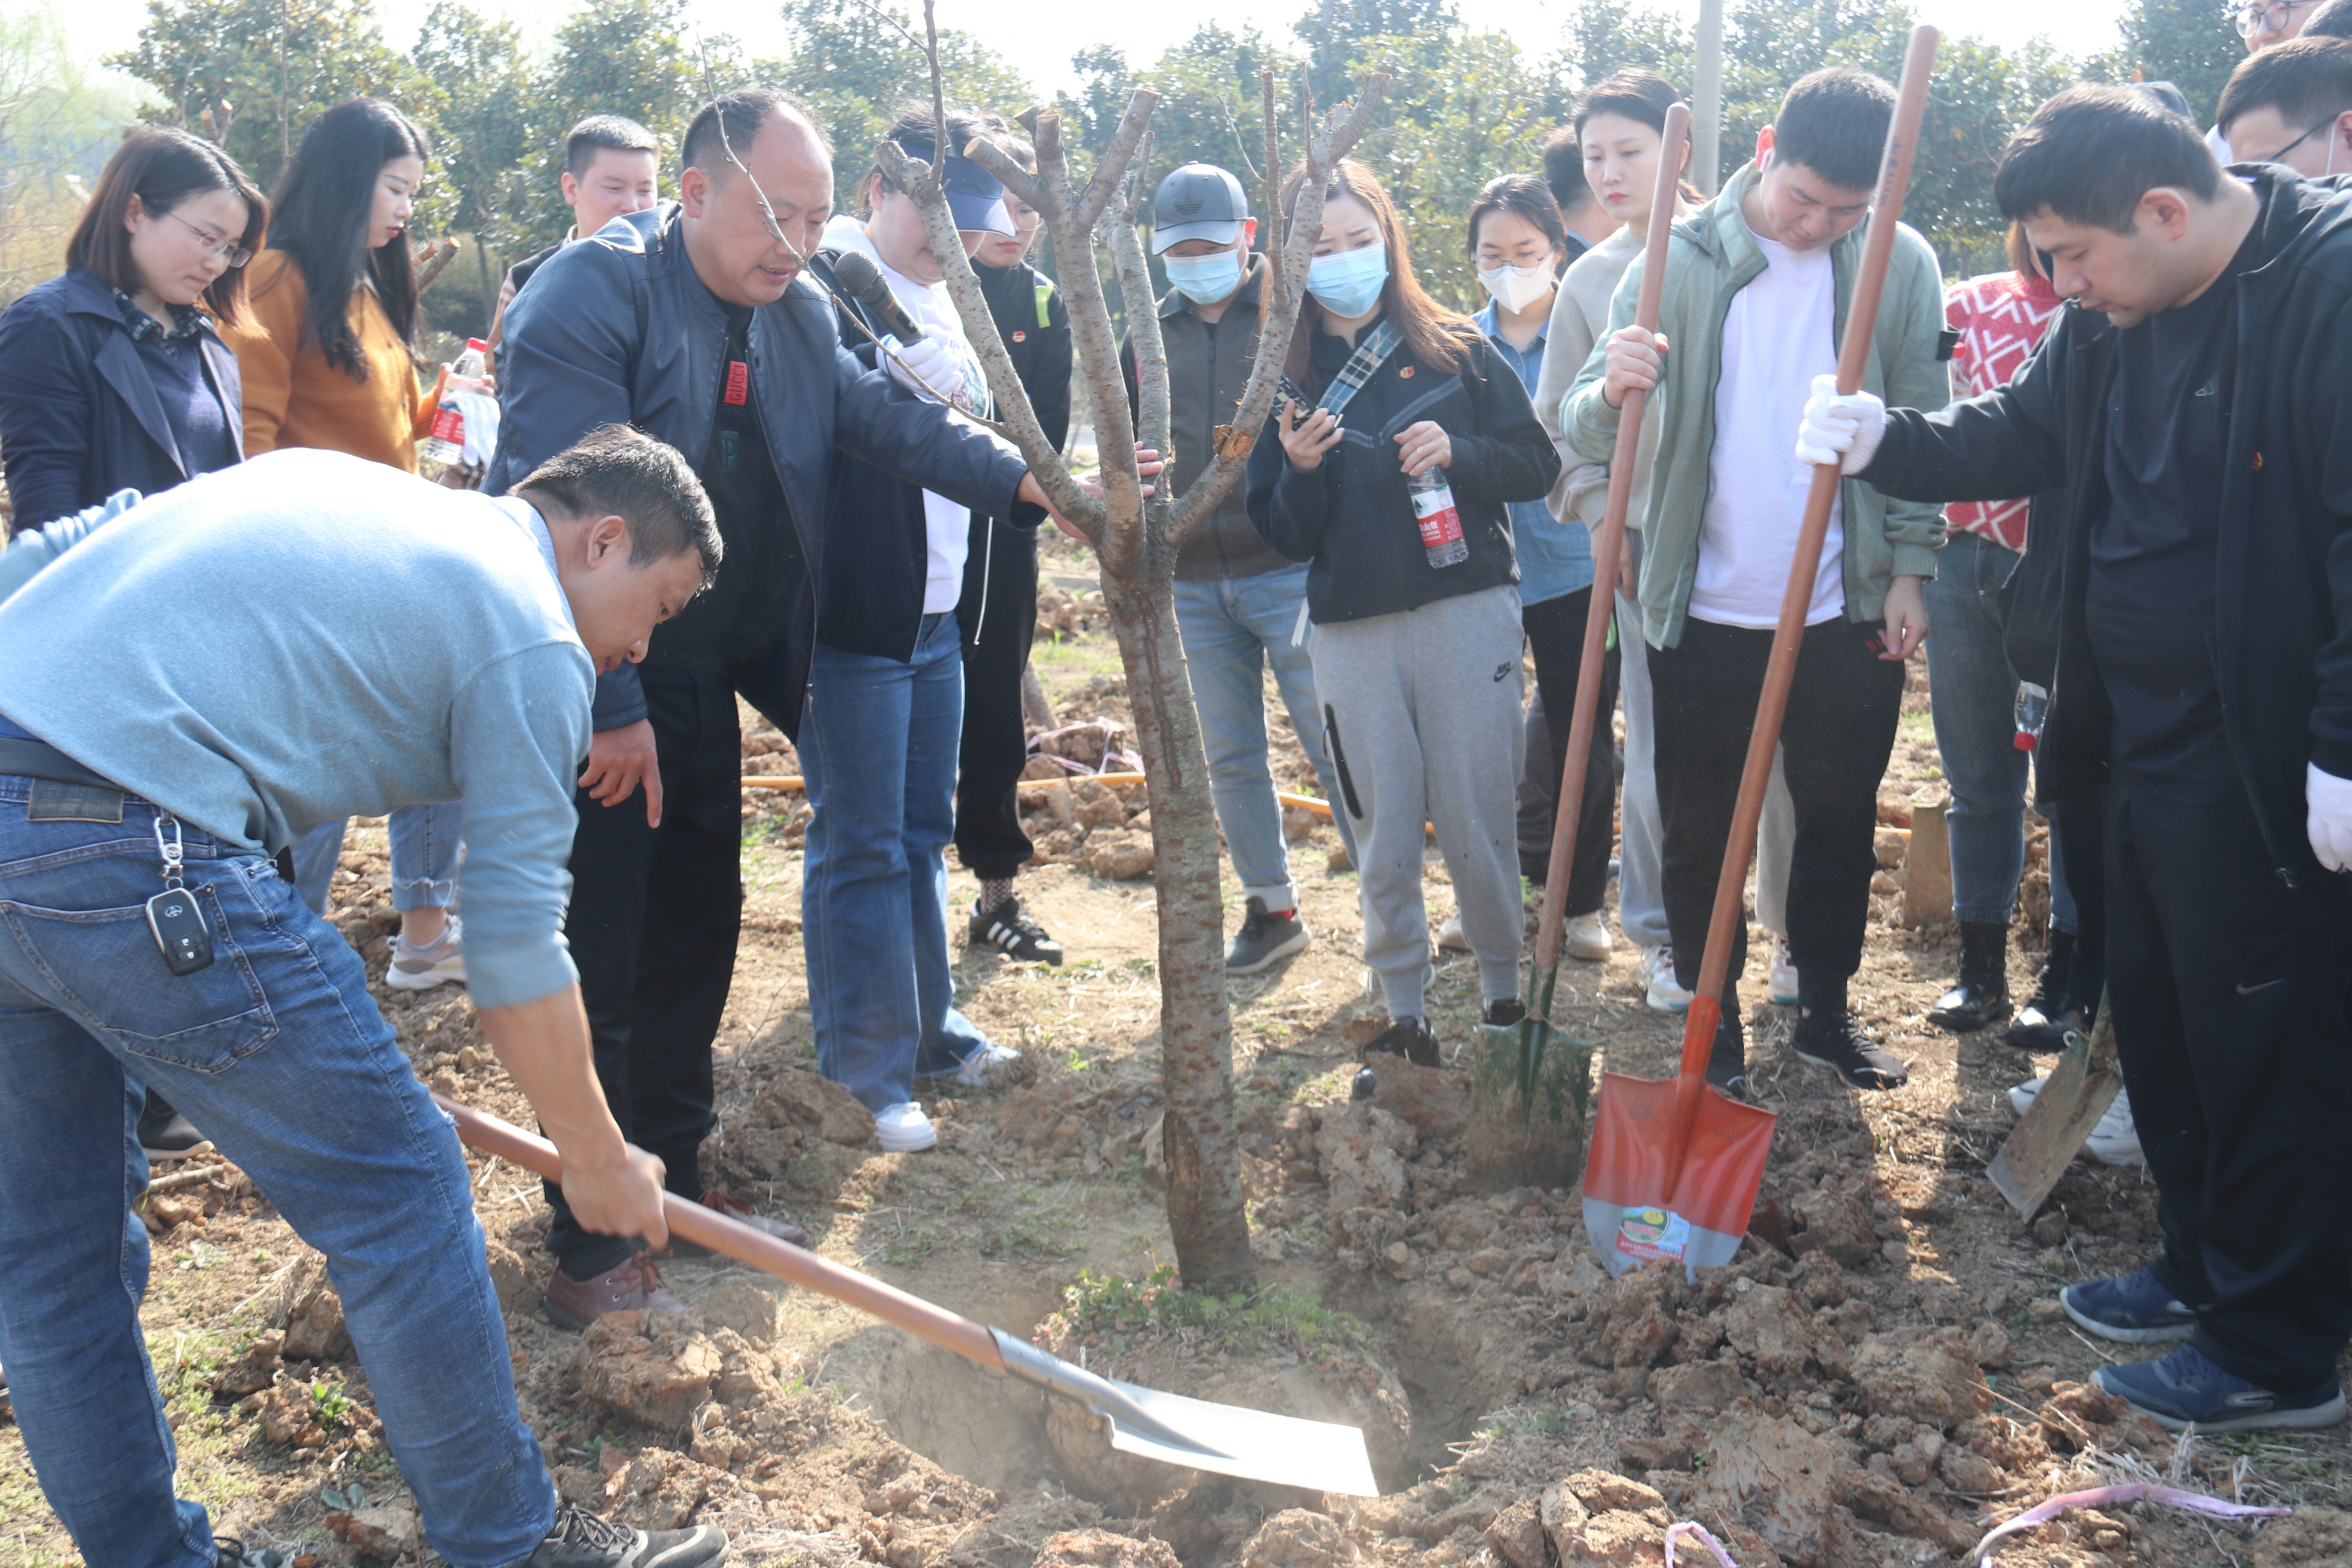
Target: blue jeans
x=1973 y=693
x=878 y=749
x=1232 y=628
x=278 y=1052
x=424 y=840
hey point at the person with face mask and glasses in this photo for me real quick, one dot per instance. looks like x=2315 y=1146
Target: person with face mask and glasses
x=1238 y=601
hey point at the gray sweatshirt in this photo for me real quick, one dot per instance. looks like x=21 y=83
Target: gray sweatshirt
x=311 y=635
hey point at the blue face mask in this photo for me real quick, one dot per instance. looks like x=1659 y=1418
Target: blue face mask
x=1349 y=283
x=1204 y=280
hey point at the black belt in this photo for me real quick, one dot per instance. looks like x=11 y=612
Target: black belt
x=39 y=760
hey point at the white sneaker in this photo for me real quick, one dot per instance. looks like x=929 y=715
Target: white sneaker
x=904 y=1129
x=418 y=968
x=2113 y=1141
x=1450 y=937
x=1784 y=973
x=1663 y=992
x=1588 y=939
x=987 y=1067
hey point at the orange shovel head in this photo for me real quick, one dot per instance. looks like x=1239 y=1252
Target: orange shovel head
x=1654 y=1188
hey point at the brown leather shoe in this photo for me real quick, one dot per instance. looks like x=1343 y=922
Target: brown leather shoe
x=634 y=1286
x=735 y=1208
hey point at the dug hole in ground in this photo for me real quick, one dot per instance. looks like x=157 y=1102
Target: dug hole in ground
x=1881 y=1374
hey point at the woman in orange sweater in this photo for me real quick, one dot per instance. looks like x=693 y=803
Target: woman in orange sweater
x=327 y=362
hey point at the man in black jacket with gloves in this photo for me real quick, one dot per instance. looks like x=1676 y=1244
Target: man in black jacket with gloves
x=2190 y=400
x=697 y=327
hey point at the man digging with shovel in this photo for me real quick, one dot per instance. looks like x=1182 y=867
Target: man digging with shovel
x=2190 y=399
x=164 y=730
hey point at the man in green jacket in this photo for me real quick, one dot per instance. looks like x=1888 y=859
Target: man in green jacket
x=1756 y=288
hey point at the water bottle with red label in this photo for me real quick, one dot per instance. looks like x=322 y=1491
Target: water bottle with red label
x=2032 y=708
x=447 y=445
x=1441 y=523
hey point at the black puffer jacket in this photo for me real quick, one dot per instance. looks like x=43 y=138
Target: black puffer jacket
x=1351 y=518
x=2282 y=602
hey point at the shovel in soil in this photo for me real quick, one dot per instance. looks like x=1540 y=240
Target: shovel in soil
x=1317 y=1456
x=2047 y=1137
x=1675 y=1165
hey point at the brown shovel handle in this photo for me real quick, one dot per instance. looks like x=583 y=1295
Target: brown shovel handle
x=708 y=1227
x=1854 y=355
x=1608 y=547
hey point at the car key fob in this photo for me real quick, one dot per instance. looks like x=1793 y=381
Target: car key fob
x=181 y=934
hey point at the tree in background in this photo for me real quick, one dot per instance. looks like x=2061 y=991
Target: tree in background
x=2188 y=43
x=632 y=57
x=479 y=100
x=57 y=130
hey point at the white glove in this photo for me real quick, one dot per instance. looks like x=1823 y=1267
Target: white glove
x=2328 y=816
x=481 y=427
x=926 y=367
x=1851 y=424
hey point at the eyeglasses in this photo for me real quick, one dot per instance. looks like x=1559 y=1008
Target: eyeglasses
x=2280 y=156
x=2256 y=16
x=235 y=254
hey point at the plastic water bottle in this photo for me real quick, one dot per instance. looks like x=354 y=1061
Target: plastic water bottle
x=1441 y=523
x=447 y=445
x=2032 y=709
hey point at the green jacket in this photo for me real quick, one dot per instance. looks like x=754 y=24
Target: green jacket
x=1710 y=258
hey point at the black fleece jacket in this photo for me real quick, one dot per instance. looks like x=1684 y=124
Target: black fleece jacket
x=2283 y=616
x=1351 y=518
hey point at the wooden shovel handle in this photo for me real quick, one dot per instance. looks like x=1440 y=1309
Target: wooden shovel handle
x=1608 y=548
x=710 y=1228
x=1854 y=355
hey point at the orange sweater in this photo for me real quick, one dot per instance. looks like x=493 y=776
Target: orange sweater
x=293 y=397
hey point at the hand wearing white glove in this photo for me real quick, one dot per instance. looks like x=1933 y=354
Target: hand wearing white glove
x=2328 y=816
x=936 y=367
x=1834 y=428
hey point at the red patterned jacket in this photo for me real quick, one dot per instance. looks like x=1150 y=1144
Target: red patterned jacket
x=2000 y=318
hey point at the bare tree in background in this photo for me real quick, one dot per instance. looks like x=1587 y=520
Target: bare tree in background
x=1136 y=538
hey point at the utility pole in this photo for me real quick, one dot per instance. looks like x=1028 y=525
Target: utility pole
x=1707 y=120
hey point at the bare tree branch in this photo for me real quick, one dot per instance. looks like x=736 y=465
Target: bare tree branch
x=1018 y=180
x=1116 y=157
x=1143 y=341
x=1277 y=285
x=939 y=90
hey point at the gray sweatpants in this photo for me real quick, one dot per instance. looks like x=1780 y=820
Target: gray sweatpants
x=1421 y=709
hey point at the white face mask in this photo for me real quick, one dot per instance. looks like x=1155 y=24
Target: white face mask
x=1517 y=288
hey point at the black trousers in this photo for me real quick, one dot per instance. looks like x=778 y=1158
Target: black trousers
x=997 y=615
x=654 y=918
x=1555 y=631
x=2230 y=996
x=2082 y=841
x=1840 y=728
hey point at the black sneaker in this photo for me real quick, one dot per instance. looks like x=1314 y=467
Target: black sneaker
x=581 y=1540
x=1264 y=937
x=164 y=1134
x=1409 y=1038
x=1727 y=1059
x=1008 y=929
x=1832 y=1040
x=2042 y=1024
x=1507 y=1013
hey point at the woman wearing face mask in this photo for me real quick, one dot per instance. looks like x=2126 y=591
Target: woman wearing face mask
x=1516 y=239
x=1622 y=125
x=327 y=362
x=1388 y=466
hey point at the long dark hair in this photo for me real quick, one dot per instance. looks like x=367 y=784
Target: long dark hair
x=163 y=167
x=1439 y=338
x=324 y=201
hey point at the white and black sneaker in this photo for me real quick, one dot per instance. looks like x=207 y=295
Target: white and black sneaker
x=1009 y=929
x=1265 y=938
x=581 y=1540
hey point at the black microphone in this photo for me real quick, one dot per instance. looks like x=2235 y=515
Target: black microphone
x=865 y=283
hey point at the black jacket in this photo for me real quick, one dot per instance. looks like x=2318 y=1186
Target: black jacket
x=79 y=418
x=618 y=329
x=2283 y=602
x=1351 y=518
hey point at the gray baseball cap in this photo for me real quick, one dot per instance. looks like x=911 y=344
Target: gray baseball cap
x=1198 y=201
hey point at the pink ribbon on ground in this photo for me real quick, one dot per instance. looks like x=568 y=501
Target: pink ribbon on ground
x=2039 y=1514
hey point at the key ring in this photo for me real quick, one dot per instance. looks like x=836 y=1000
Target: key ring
x=173 y=852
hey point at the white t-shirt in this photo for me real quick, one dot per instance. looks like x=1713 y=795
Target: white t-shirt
x=947 y=526
x=1779 y=334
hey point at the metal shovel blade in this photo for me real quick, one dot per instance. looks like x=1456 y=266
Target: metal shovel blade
x=1285 y=1450
x=1653 y=1192
x=2048 y=1136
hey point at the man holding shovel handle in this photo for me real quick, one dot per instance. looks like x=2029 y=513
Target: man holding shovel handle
x=2190 y=400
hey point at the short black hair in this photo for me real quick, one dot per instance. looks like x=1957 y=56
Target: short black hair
x=2332 y=20
x=2089 y=156
x=605 y=133
x=1563 y=167
x=2307 y=79
x=732 y=119
x=1835 y=122
x=1523 y=195
x=617 y=471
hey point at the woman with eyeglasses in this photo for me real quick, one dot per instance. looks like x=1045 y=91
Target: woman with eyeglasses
x=114 y=375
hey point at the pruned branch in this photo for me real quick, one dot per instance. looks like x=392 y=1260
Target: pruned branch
x=1143 y=341
x=1116 y=157
x=1277 y=285
x=1342 y=129
x=1016 y=179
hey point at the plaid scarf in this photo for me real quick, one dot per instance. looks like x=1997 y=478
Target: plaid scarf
x=1370 y=354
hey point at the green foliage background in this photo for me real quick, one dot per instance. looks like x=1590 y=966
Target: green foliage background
x=1465 y=105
